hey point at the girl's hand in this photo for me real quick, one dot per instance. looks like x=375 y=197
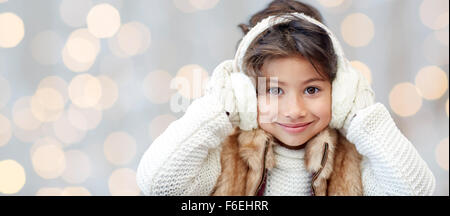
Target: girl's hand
x=364 y=97
x=236 y=95
x=351 y=93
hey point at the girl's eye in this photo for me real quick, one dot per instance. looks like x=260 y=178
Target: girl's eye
x=275 y=91
x=311 y=90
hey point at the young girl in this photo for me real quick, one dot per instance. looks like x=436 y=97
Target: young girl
x=308 y=127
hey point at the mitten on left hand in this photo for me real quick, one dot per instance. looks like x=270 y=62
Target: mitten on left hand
x=364 y=97
x=351 y=93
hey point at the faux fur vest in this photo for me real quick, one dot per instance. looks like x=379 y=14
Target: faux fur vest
x=331 y=159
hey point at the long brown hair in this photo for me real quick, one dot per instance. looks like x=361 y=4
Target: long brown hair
x=294 y=38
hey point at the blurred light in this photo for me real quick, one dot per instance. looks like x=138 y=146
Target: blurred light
x=3 y=1
x=434 y=51
x=331 y=3
x=82 y=46
x=57 y=83
x=49 y=191
x=184 y=6
x=103 y=20
x=191 y=80
x=357 y=29
x=46 y=47
x=45 y=141
x=119 y=148
x=85 y=90
x=121 y=70
x=31 y=136
x=114 y=47
x=442 y=154
x=47 y=104
x=5 y=92
x=203 y=4
x=159 y=125
x=81 y=50
x=75 y=191
x=110 y=93
x=12 y=30
x=129 y=39
x=66 y=132
x=405 y=99
x=115 y=3
x=122 y=182
x=72 y=17
x=78 y=167
x=434 y=13
x=446 y=107
x=442 y=36
x=133 y=38
x=49 y=97
x=74 y=65
x=5 y=130
x=80 y=59
x=84 y=118
x=48 y=161
x=22 y=115
x=13 y=176
x=156 y=87
x=26 y=136
x=146 y=36
x=432 y=82
x=364 y=69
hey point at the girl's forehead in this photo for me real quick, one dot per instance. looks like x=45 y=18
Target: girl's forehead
x=289 y=69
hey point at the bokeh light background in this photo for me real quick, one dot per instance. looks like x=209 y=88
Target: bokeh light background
x=85 y=85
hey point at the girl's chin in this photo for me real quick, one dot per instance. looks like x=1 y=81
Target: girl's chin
x=291 y=143
x=294 y=144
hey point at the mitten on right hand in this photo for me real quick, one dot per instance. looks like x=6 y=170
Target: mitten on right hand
x=235 y=95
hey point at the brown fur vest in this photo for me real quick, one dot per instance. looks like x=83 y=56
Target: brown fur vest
x=331 y=159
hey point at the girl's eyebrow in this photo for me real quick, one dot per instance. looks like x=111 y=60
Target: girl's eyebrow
x=313 y=80
x=304 y=83
x=276 y=81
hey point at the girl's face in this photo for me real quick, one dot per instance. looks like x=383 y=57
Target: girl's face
x=301 y=100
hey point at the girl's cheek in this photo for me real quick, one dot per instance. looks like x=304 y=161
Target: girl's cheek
x=322 y=109
x=267 y=110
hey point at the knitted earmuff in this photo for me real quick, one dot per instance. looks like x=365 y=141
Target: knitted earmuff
x=344 y=86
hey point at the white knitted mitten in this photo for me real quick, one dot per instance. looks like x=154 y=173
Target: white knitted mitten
x=236 y=95
x=364 y=97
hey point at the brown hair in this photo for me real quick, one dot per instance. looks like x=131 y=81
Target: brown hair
x=294 y=38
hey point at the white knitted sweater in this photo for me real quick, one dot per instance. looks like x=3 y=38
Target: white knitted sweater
x=185 y=158
x=290 y=170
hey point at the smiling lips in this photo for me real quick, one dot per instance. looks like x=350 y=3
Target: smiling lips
x=295 y=128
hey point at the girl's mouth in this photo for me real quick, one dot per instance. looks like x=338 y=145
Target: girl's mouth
x=295 y=128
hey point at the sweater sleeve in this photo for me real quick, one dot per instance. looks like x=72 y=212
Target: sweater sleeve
x=185 y=158
x=391 y=165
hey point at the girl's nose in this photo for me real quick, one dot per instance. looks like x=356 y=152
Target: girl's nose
x=295 y=108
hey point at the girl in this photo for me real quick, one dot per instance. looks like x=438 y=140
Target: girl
x=308 y=127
